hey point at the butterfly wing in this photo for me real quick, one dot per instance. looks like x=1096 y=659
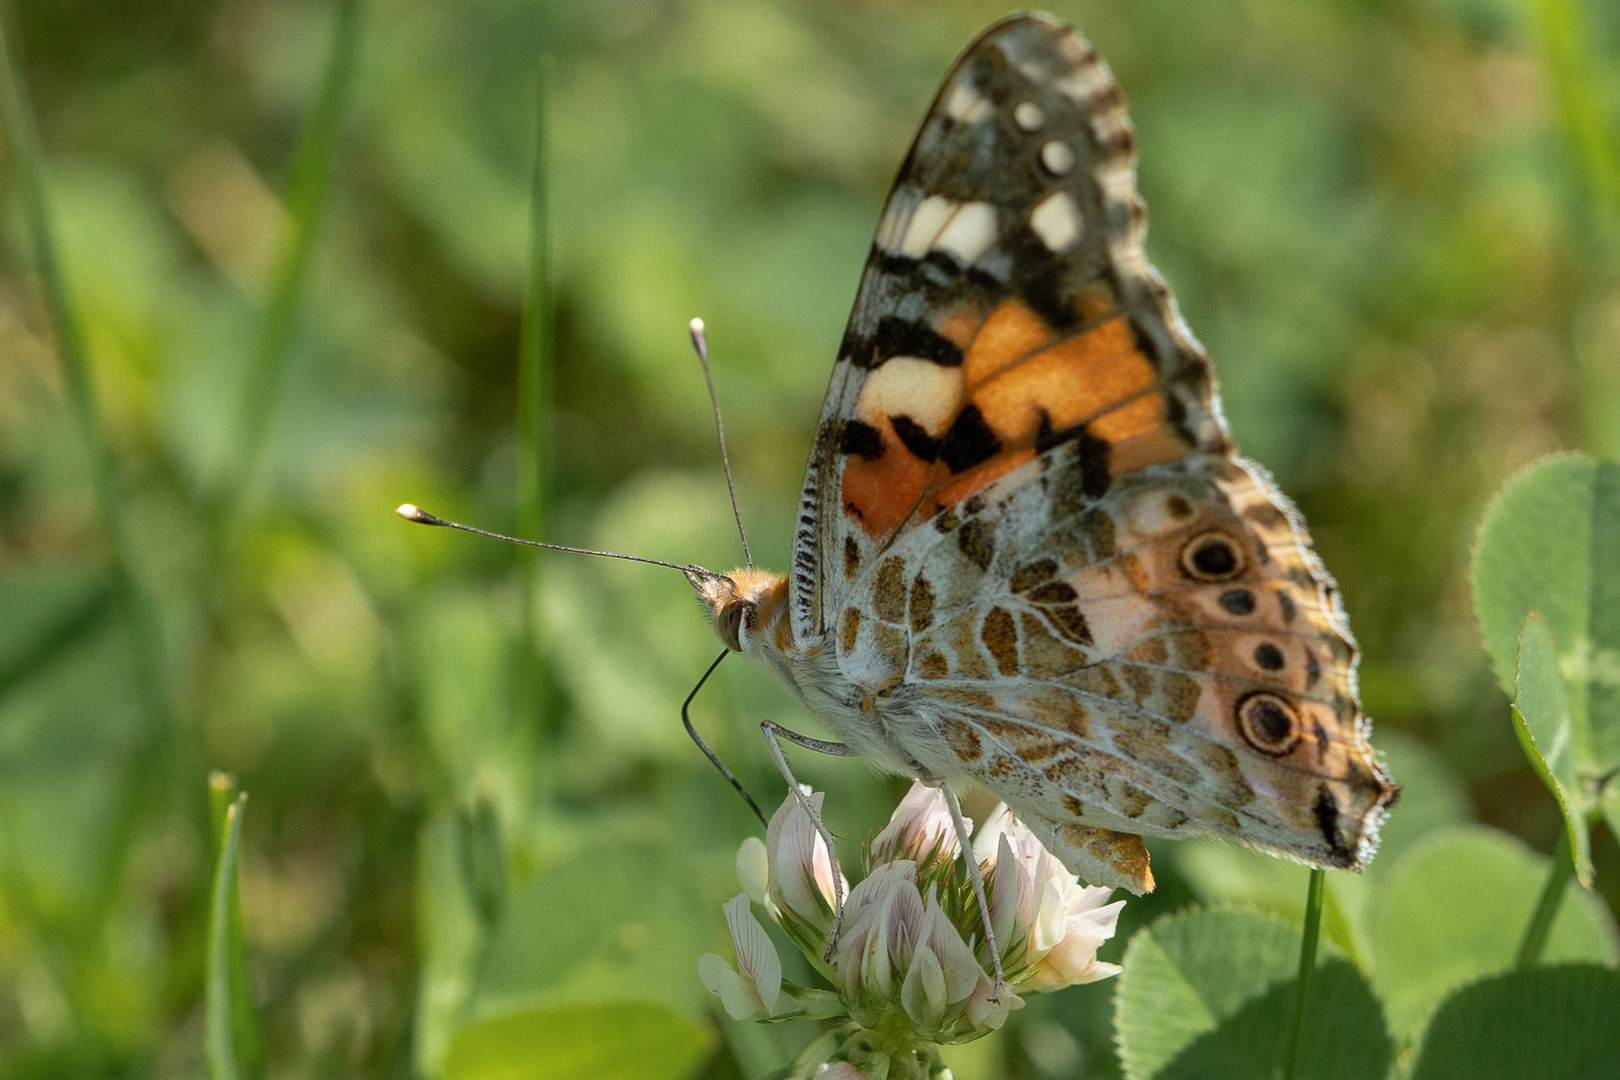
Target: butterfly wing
x=1006 y=308
x=1167 y=659
x=1023 y=525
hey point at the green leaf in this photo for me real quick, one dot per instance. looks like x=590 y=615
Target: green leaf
x=1550 y=1023
x=1541 y=720
x=1431 y=798
x=1453 y=910
x=219 y=998
x=452 y=936
x=67 y=734
x=619 y=919
x=1550 y=542
x=632 y=1040
x=1236 y=876
x=1211 y=994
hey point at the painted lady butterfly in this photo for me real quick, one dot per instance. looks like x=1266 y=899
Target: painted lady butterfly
x=1028 y=556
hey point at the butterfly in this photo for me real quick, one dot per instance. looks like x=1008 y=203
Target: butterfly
x=1028 y=557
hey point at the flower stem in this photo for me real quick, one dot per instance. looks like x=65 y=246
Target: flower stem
x=1307 y=968
x=1541 y=920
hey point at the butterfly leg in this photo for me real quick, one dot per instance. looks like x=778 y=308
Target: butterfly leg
x=978 y=883
x=821 y=746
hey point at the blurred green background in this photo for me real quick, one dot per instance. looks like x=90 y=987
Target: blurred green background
x=1391 y=221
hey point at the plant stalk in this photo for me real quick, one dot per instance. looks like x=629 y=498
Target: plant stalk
x=1566 y=41
x=1552 y=893
x=535 y=358
x=138 y=613
x=307 y=189
x=1307 y=968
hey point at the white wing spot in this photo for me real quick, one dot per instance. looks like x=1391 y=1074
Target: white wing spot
x=930 y=217
x=907 y=386
x=970 y=231
x=1083 y=84
x=895 y=219
x=1057 y=157
x=1110 y=126
x=1056 y=220
x=1029 y=116
x=966 y=104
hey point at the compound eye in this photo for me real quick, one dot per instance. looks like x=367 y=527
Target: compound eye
x=1269 y=724
x=1211 y=556
x=729 y=624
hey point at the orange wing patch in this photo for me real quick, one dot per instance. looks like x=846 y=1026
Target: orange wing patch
x=881 y=493
x=1076 y=380
x=1011 y=333
x=1017 y=385
x=991 y=471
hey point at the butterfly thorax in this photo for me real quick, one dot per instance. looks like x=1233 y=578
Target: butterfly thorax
x=752 y=616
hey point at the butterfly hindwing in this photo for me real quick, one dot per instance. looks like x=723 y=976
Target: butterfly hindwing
x=1167 y=659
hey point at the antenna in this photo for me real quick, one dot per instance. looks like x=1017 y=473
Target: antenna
x=422 y=517
x=700 y=342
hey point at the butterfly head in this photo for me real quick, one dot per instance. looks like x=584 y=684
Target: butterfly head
x=749 y=607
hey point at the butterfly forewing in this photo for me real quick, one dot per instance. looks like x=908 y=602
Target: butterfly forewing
x=1006 y=308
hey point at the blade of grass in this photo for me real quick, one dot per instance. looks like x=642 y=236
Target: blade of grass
x=1576 y=77
x=307 y=190
x=138 y=613
x=1307 y=968
x=247 y=1040
x=1566 y=44
x=56 y=637
x=534 y=396
x=224 y=934
x=222 y=792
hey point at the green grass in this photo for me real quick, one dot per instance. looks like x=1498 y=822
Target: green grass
x=138 y=614
x=308 y=188
x=536 y=344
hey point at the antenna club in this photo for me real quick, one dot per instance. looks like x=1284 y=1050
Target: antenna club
x=696 y=326
x=412 y=512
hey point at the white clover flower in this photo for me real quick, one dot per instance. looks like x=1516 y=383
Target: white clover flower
x=754 y=870
x=839 y=1070
x=920 y=829
x=1045 y=921
x=757 y=990
x=800 y=878
x=909 y=968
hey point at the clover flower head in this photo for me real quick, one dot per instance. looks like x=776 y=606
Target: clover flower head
x=910 y=968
